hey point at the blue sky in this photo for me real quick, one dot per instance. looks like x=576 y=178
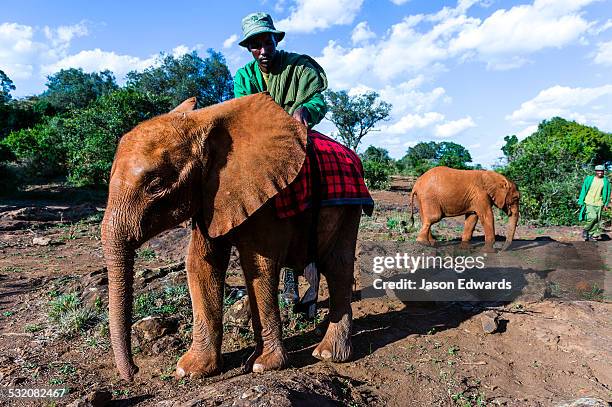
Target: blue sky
x=467 y=71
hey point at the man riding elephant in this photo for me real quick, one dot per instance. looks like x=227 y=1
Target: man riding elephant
x=296 y=83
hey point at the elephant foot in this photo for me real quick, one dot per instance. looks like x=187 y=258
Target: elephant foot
x=336 y=346
x=488 y=248
x=465 y=245
x=198 y=364
x=262 y=360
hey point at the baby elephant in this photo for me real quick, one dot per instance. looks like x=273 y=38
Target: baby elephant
x=444 y=192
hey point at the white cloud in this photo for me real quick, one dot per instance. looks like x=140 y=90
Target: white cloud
x=98 y=60
x=18 y=50
x=452 y=128
x=604 y=53
x=230 y=41
x=522 y=30
x=561 y=101
x=414 y=121
x=62 y=35
x=362 y=33
x=312 y=15
x=399 y=2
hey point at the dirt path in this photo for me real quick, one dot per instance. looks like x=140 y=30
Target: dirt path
x=406 y=354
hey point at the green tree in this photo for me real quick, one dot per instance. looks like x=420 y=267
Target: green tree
x=355 y=116
x=6 y=86
x=509 y=148
x=426 y=155
x=377 y=167
x=179 y=78
x=90 y=135
x=453 y=155
x=75 y=89
x=550 y=165
x=376 y=154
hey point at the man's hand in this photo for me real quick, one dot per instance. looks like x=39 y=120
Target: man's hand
x=302 y=115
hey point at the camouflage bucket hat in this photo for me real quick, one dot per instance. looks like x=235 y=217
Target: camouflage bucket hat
x=599 y=168
x=257 y=23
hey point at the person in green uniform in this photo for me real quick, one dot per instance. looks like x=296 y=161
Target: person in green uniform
x=295 y=81
x=594 y=197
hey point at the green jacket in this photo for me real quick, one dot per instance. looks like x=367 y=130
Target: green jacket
x=295 y=81
x=586 y=185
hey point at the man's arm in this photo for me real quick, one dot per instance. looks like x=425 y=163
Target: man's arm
x=316 y=108
x=240 y=82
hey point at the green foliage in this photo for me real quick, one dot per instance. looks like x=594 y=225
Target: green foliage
x=172 y=300
x=70 y=316
x=355 y=116
x=40 y=147
x=179 y=78
x=425 y=155
x=6 y=86
x=376 y=154
x=377 y=166
x=74 y=89
x=550 y=165
x=376 y=174
x=91 y=135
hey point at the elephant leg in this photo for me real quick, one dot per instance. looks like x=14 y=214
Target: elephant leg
x=429 y=216
x=489 y=229
x=468 y=229
x=261 y=275
x=206 y=264
x=338 y=267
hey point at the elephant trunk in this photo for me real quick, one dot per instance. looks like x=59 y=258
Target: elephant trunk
x=511 y=228
x=119 y=255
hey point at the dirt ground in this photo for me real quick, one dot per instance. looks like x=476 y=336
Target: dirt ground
x=546 y=351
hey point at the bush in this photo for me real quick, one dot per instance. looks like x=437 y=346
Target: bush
x=91 y=135
x=376 y=174
x=550 y=165
x=41 y=148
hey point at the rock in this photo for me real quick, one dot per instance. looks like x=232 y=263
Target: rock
x=489 y=321
x=151 y=328
x=167 y=342
x=584 y=402
x=98 y=398
x=41 y=241
x=239 y=313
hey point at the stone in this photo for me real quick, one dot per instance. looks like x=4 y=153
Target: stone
x=239 y=313
x=151 y=328
x=584 y=402
x=41 y=241
x=490 y=321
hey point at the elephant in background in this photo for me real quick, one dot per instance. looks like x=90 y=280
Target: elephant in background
x=444 y=192
x=219 y=166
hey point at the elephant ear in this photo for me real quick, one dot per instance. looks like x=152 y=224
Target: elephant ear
x=252 y=149
x=497 y=187
x=187 y=106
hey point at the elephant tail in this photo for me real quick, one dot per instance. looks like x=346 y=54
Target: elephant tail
x=411 y=208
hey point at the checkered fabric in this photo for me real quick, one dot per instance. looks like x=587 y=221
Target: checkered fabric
x=341 y=180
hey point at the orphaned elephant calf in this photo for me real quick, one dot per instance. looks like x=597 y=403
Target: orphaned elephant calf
x=220 y=166
x=444 y=192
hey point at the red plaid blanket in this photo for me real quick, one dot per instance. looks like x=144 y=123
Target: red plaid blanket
x=341 y=180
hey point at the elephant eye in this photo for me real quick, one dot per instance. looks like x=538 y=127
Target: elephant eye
x=155 y=186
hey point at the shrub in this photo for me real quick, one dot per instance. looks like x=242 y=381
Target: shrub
x=376 y=174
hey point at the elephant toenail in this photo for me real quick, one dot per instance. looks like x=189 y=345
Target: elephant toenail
x=180 y=372
x=326 y=354
x=258 y=368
